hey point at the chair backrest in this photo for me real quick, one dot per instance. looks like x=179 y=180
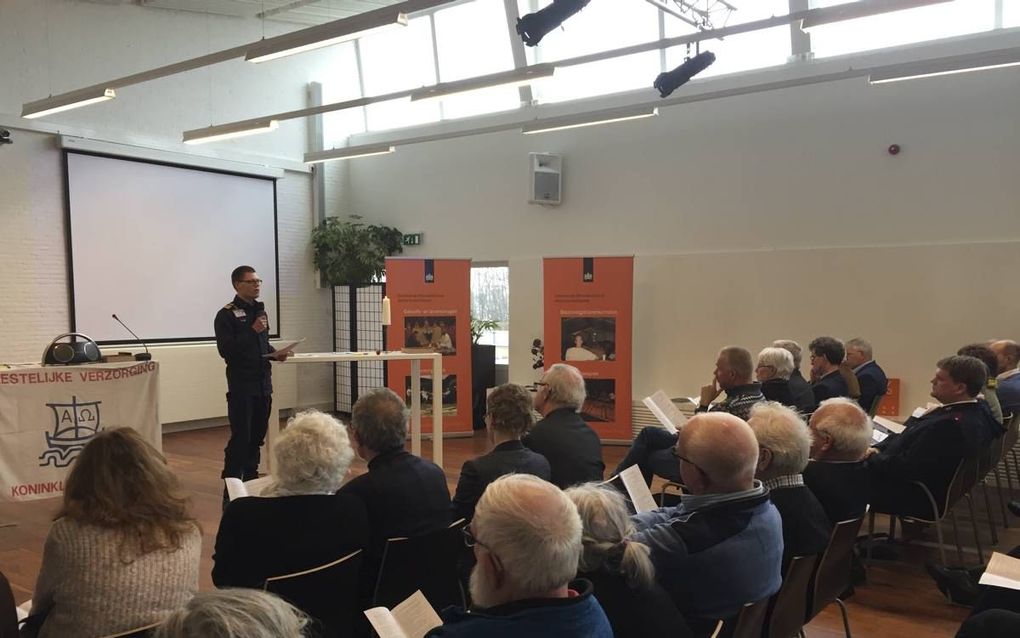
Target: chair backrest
x=8 y=610
x=832 y=576
x=669 y=495
x=965 y=478
x=1012 y=432
x=328 y=593
x=873 y=408
x=428 y=563
x=789 y=606
x=990 y=458
x=137 y=632
x=750 y=622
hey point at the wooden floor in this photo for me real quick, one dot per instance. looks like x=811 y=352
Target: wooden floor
x=898 y=600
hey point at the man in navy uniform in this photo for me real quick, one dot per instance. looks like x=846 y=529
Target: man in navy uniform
x=242 y=339
x=870 y=376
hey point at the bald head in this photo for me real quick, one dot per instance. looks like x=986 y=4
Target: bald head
x=842 y=431
x=1007 y=352
x=723 y=450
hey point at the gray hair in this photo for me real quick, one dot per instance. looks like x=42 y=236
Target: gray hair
x=234 y=613
x=565 y=386
x=510 y=410
x=312 y=455
x=783 y=432
x=846 y=424
x=607 y=527
x=779 y=359
x=379 y=420
x=533 y=528
x=792 y=347
x=860 y=344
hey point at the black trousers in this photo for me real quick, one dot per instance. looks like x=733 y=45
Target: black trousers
x=249 y=421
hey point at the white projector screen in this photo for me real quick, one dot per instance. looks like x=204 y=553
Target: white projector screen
x=155 y=245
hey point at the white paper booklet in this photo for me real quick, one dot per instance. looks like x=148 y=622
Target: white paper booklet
x=412 y=618
x=236 y=488
x=665 y=411
x=888 y=424
x=284 y=347
x=23 y=609
x=1002 y=571
x=637 y=489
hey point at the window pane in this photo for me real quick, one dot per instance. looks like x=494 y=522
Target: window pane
x=490 y=294
x=600 y=78
x=339 y=86
x=397 y=60
x=602 y=25
x=743 y=52
x=472 y=40
x=901 y=27
x=1010 y=14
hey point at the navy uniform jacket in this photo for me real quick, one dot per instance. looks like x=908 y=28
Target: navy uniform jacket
x=242 y=348
x=873 y=383
x=508 y=457
x=841 y=488
x=802 y=393
x=806 y=527
x=831 y=385
x=572 y=448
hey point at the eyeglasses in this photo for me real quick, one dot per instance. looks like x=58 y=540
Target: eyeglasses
x=678 y=457
x=257 y=282
x=539 y=384
x=469 y=538
x=764 y=365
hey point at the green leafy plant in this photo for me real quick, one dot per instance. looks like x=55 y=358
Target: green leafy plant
x=350 y=252
x=478 y=326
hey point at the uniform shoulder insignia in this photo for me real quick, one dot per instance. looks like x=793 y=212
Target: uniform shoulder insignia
x=229 y=306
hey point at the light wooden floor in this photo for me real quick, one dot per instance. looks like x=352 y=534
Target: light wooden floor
x=898 y=600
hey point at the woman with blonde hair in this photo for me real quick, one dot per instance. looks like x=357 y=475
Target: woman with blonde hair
x=123 y=550
x=620 y=569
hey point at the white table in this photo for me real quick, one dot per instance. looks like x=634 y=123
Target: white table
x=416 y=359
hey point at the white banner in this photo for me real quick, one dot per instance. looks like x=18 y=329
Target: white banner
x=48 y=414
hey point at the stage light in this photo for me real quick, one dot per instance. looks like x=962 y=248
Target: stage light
x=669 y=81
x=533 y=27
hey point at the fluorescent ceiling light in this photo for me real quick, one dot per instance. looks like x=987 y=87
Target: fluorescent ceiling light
x=227 y=131
x=946 y=66
x=862 y=9
x=515 y=77
x=328 y=34
x=66 y=102
x=348 y=153
x=588 y=119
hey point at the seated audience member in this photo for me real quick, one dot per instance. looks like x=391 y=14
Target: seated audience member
x=1008 y=354
x=961 y=585
x=803 y=395
x=826 y=356
x=932 y=445
x=775 y=365
x=526 y=536
x=507 y=417
x=722 y=546
x=298 y=522
x=989 y=393
x=841 y=434
x=620 y=569
x=405 y=495
x=652 y=448
x=784 y=445
x=234 y=613
x=572 y=448
x=123 y=551
x=870 y=376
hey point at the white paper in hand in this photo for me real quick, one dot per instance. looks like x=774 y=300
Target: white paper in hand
x=412 y=618
x=637 y=489
x=888 y=424
x=237 y=489
x=1002 y=571
x=663 y=409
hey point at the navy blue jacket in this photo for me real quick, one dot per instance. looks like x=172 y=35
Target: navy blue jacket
x=831 y=385
x=248 y=372
x=572 y=448
x=873 y=383
x=506 y=458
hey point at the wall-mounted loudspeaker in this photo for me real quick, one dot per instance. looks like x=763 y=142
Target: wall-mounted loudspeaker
x=546 y=179
x=81 y=349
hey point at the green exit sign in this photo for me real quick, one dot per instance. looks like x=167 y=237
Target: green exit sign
x=414 y=239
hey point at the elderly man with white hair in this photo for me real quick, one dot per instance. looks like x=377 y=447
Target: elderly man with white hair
x=723 y=545
x=803 y=395
x=784 y=446
x=572 y=448
x=526 y=536
x=773 y=370
x=841 y=434
x=298 y=522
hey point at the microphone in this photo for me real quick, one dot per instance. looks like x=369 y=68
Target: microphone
x=260 y=311
x=140 y=356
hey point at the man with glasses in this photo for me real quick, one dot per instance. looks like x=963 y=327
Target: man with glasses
x=526 y=537
x=827 y=354
x=242 y=339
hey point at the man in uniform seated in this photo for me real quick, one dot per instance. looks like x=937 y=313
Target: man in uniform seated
x=841 y=435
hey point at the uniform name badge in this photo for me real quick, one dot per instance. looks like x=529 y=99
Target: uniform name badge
x=240 y=314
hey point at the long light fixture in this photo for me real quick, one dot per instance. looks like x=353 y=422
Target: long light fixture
x=66 y=102
x=862 y=9
x=947 y=66
x=228 y=131
x=318 y=157
x=516 y=77
x=588 y=119
x=328 y=34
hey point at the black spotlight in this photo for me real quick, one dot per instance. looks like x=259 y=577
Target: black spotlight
x=669 y=81
x=533 y=27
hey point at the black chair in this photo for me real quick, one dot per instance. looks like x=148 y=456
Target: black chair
x=428 y=563
x=669 y=495
x=833 y=576
x=327 y=593
x=788 y=608
x=8 y=610
x=749 y=623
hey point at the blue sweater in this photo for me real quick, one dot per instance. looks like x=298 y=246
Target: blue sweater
x=712 y=559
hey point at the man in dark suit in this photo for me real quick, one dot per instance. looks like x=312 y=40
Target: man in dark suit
x=933 y=444
x=841 y=434
x=507 y=417
x=871 y=377
x=800 y=389
x=1008 y=354
x=773 y=370
x=572 y=448
x=826 y=355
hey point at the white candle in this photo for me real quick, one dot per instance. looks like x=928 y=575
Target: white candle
x=386 y=311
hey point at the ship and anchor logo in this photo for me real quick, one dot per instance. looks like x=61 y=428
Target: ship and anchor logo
x=74 y=425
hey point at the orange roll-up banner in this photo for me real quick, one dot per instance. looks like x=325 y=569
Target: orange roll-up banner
x=588 y=322
x=430 y=309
